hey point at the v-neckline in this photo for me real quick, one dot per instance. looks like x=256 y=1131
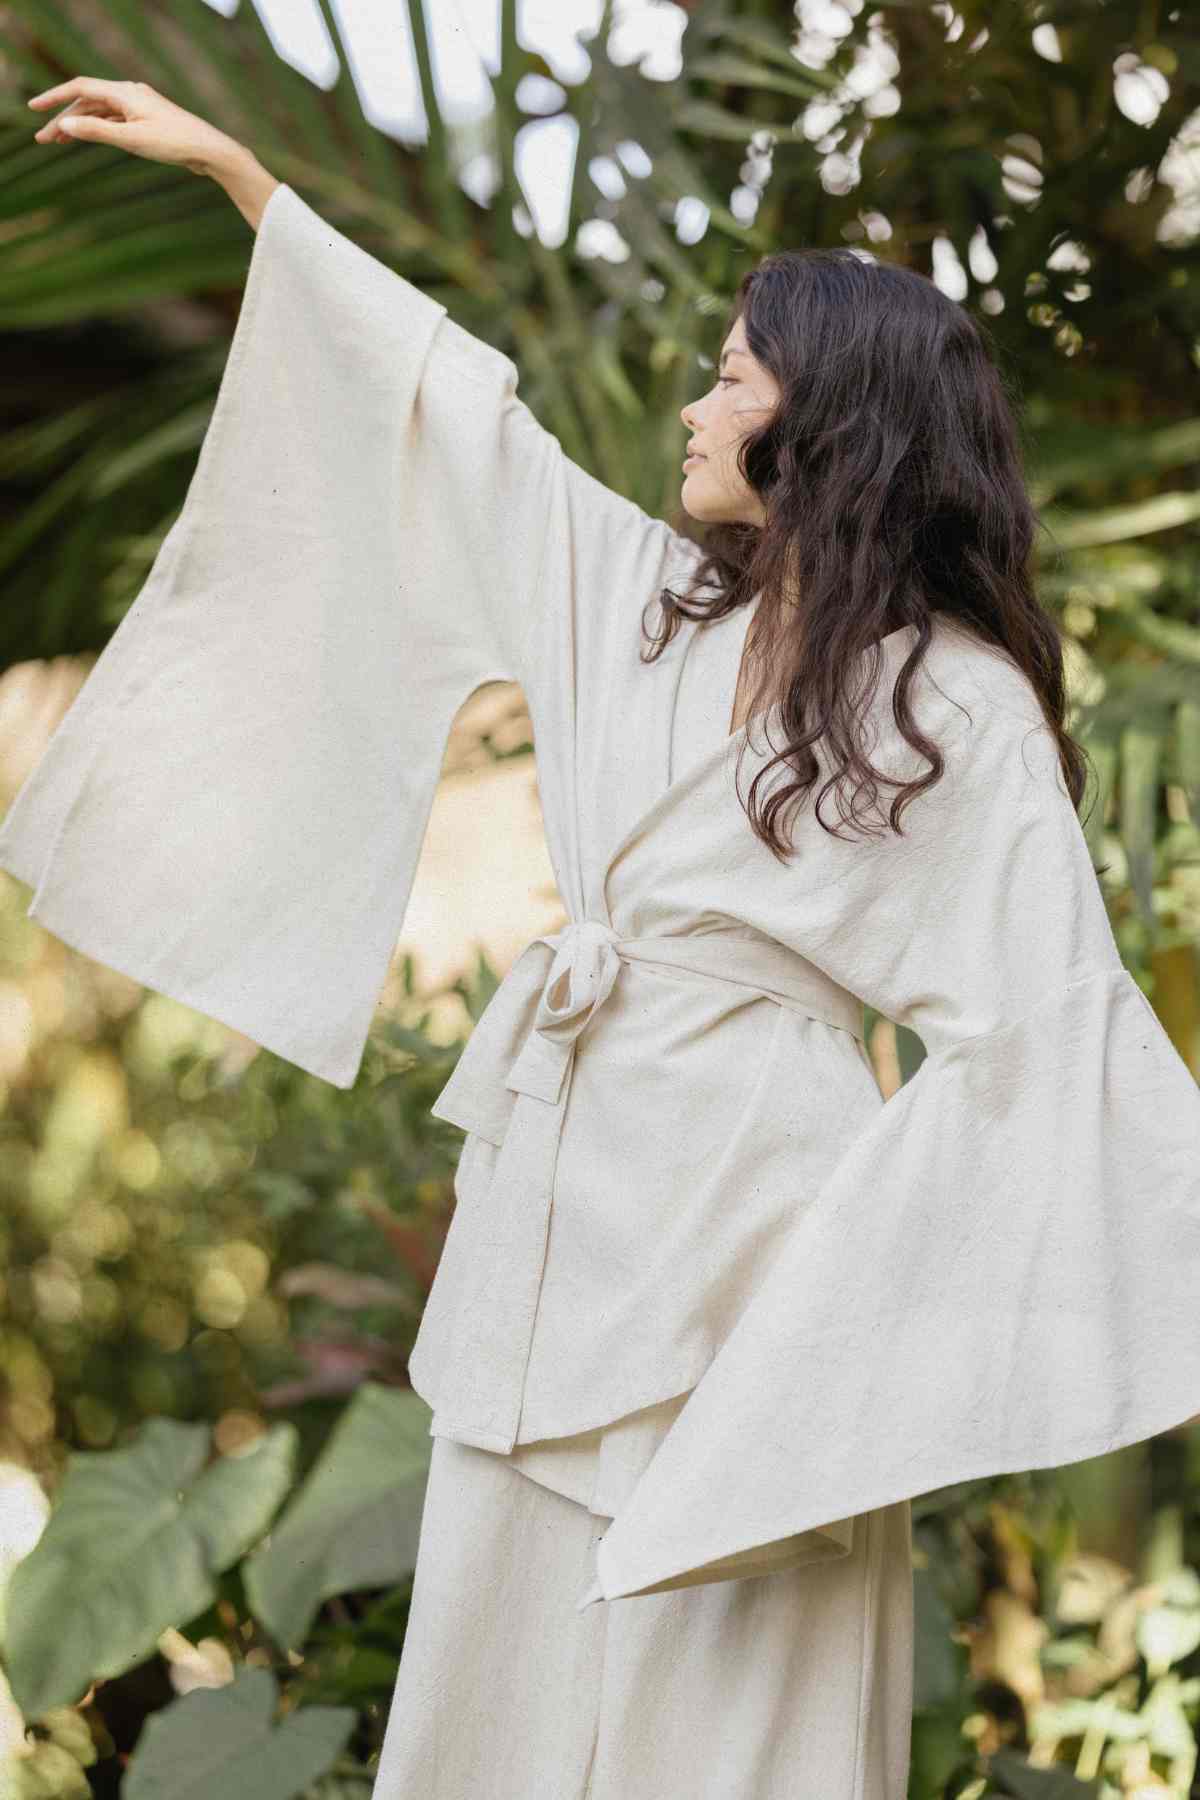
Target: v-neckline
x=697 y=771
x=743 y=618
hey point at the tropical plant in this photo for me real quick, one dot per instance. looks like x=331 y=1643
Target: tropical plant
x=133 y=1555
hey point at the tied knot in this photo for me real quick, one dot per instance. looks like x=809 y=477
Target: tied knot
x=583 y=968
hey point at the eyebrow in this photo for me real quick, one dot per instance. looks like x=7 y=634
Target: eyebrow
x=725 y=354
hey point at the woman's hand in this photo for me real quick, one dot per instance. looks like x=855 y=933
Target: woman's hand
x=130 y=115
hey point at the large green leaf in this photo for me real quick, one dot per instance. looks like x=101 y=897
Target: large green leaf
x=133 y=1546
x=223 y=1744
x=355 y=1521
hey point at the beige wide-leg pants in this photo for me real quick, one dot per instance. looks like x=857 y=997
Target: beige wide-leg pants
x=793 y=1685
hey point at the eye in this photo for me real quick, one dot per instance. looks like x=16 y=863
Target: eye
x=726 y=380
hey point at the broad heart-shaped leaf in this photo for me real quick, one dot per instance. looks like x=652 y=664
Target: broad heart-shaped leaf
x=355 y=1520
x=132 y=1546
x=223 y=1744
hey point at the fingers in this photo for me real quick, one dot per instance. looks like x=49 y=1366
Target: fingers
x=61 y=128
x=86 y=87
x=93 y=129
x=50 y=127
x=85 y=96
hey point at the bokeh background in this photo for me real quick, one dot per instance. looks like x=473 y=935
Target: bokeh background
x=213 y=1265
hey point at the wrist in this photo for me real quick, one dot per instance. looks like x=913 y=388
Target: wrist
x=225 y=160
x=236 y=169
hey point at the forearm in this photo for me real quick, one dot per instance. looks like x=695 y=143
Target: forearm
x=236 y=169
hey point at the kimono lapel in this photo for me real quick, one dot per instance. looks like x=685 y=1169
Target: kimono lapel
x=477 y=1097
x=709 y=777
x=716 y=761
x=687 y=740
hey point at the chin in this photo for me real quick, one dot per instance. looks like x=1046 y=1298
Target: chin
x=705 y=512
x=698 y=504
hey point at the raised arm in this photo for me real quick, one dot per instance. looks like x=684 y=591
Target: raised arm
x=232 y=809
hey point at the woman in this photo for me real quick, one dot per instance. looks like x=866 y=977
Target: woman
x=709 y=1313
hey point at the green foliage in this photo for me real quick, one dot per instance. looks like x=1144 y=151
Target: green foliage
x=1067 y=1664
x=226 y=1742
x=354 y=1523
x=133 y=1546
x=132 y=1551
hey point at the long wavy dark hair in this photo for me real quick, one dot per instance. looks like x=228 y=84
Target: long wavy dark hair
x=892 y=484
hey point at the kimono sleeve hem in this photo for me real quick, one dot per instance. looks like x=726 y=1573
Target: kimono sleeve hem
x=340 y=1072
x=219 y=922
x=1021 y=1295
x=615 y=1583
x=800 y=1550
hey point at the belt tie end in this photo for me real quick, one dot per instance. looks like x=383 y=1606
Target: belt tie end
x=580 y=979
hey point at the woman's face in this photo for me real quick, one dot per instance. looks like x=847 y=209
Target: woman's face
x=741 y=397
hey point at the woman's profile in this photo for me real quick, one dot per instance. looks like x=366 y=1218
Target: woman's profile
x=710 y=1312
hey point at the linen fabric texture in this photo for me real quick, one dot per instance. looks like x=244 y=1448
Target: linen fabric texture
x=680 y=1177
x=798 y=1687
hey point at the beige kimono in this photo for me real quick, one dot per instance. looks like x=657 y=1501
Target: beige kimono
x=681 y=1182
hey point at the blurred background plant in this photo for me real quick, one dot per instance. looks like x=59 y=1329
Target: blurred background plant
x=214 y=1265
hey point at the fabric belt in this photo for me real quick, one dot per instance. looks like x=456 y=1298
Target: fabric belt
x=511 y=1084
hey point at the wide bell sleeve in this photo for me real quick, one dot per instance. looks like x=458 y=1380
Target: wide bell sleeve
x=232 y=809
x=1002 y=1271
